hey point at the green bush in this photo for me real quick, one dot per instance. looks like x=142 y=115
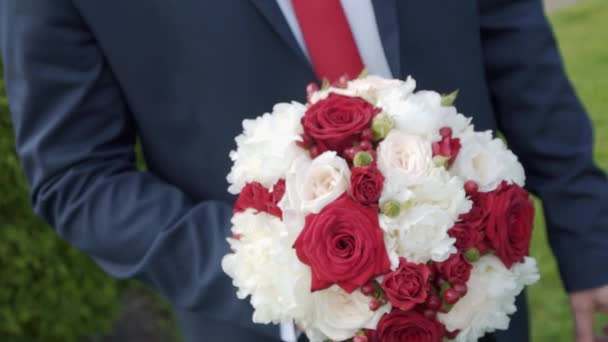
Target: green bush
x=48 y=290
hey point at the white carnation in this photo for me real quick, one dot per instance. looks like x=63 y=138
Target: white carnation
x=311 y=185
x=264 y=265
x=444 y=191
x=423 y=114
x=378 y=90
x=373 y=89
x=487 y=161
x=405 y=157
x=420 y=234
x=267 y=147
x=490 y=299
x=340 y=315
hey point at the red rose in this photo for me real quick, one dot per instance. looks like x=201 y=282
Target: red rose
x=256 y=196
x=408 y=285
x=278 y=190
x=447 y=147
x=466 y=235
x=366 y=184
x=410 y=326
x=343 y=245
x=469 y=232
x=455 y=270
x=336 y=122
x=510 y=221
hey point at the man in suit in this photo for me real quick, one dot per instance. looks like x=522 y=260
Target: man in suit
x=85 y=79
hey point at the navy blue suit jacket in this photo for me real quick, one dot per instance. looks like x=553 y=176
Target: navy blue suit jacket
x=87 y=78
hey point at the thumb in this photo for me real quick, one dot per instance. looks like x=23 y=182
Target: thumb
x=583 y=319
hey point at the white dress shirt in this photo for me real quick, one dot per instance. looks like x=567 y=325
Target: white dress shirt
x=362 y=21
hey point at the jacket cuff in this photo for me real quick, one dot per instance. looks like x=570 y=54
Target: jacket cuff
x=582 y=261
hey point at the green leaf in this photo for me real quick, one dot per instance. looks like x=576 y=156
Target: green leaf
x=448 y=100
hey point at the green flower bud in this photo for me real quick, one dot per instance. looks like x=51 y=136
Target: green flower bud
x=325 y=84
x=449 y=99
x=362 y=158
x=472 y=255
x=391 y=208
x=441 y=161
x=381 y=125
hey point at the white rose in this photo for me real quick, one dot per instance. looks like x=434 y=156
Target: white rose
x=490 y=299
x=405 y=156
x=487 y=161
x=340 y=315
x=420 y=234
x=267 y=147
x=264 y=265
x=311 y=185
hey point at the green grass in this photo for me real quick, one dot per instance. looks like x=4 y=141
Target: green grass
x=581 y=32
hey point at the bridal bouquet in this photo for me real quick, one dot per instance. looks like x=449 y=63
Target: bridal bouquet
x=377 y=213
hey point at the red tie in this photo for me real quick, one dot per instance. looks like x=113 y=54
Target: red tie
x=328 y=38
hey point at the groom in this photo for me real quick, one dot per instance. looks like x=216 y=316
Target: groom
x=86 y=79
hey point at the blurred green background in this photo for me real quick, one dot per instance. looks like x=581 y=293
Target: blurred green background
x=50 y=292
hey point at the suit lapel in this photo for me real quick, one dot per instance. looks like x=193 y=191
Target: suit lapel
x=271 y=11
x=388 y=27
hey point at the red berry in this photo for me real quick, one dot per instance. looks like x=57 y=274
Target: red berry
x=451 y=296
x=360 y=338
x=374 y=304
x=350 y=152
x=460 y=288
x=368 y=289
x=366 y=145
x=471 y=187
x=436 y=148
x=439 y=281
x=236 y=236
x=445 y=132
x=341 y=82
x=433 y=302
x=430 y=314
x=311 y=88
x=314 y=152
x=367 y=135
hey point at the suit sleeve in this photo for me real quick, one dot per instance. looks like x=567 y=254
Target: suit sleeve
x=547 y=127
x=75 y=138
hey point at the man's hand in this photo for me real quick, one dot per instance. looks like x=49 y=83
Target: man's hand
x=584 y=305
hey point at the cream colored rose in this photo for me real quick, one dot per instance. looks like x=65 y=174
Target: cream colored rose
x=406 y=156
x=339 y=315
x=311 y=185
